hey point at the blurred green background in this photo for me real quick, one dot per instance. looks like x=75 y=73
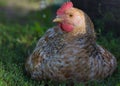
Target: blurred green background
x=23 y=22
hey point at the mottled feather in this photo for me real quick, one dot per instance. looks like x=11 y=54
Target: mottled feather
x=70 y=56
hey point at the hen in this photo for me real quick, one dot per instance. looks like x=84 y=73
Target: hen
x=69 y=52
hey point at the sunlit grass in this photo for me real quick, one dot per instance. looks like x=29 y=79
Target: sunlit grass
x=21 y=5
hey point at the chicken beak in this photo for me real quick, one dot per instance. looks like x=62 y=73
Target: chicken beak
x=57 y=19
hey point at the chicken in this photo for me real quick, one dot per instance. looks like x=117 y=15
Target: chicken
x=69 y=52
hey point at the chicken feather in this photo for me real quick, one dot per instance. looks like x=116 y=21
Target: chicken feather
x=70 y=56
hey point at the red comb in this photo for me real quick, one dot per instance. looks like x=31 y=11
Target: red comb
x=64 y=7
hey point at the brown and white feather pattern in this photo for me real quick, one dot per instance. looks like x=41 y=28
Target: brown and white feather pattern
x=59 y=57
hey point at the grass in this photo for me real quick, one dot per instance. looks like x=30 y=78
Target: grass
x=21 y=4
x=18 y=37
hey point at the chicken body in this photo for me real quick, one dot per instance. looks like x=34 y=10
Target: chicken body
x=70 y=54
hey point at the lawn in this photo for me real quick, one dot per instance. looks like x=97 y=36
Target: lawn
x=18 y=36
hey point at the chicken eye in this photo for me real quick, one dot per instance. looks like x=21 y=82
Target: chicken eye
x=71 y=15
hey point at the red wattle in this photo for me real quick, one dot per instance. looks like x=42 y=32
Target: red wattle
x=66 y=27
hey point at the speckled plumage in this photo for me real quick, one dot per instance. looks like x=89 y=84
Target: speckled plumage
x=73 y=56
